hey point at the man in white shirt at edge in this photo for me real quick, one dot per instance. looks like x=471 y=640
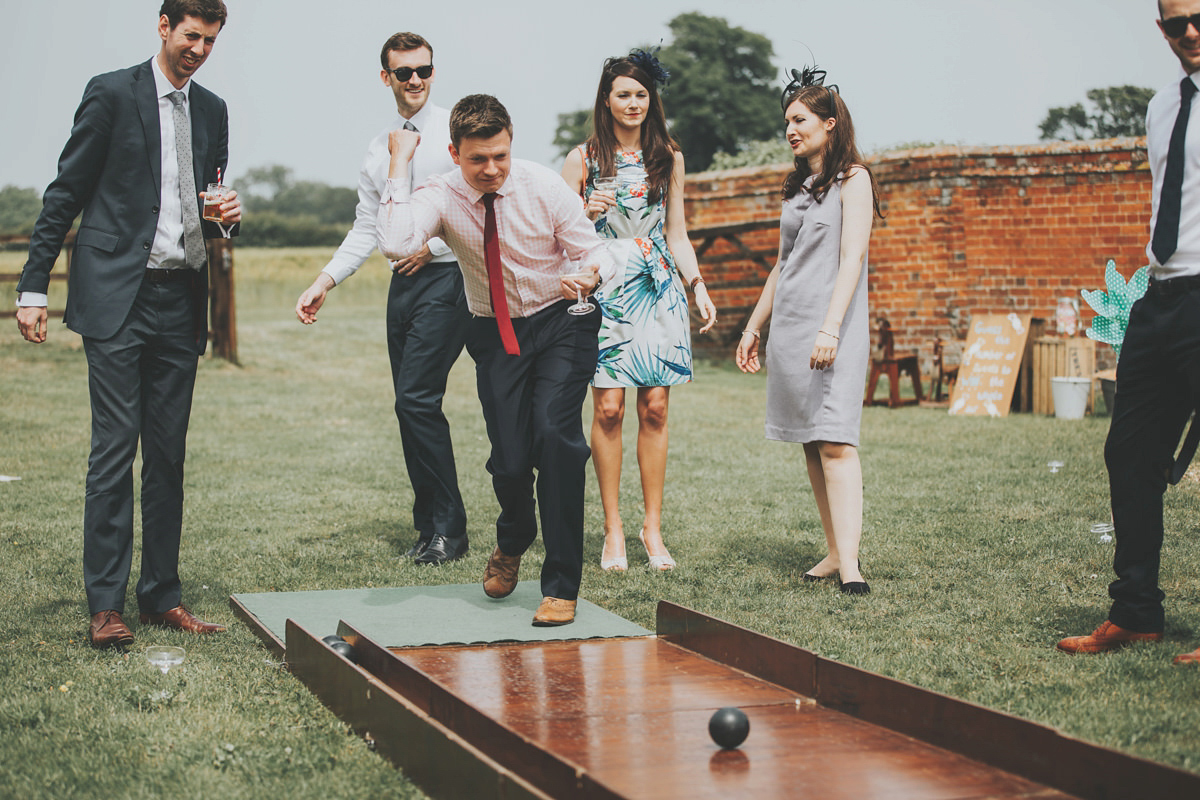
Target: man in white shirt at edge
x=426 y=310
x=1158 y=374
x=533 y=372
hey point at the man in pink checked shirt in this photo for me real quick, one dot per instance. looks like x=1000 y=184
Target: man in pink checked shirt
x=516 y=228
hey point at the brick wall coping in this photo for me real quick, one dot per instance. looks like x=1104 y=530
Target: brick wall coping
x=947 y=162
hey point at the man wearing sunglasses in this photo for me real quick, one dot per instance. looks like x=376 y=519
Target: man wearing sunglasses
x=426 y=310
x=1158 y=377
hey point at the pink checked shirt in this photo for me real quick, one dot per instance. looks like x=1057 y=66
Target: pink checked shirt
x=541 y=225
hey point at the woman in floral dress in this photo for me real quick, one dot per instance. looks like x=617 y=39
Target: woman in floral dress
x=645 y=338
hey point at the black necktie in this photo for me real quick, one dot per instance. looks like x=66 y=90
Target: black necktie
x=1166 y=224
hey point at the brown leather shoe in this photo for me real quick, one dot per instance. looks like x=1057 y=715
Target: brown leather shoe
x=1188 y=658
x=1106 y=637
x=500 y=577
x=109 y=630
x=554 y=611
x=181 y=619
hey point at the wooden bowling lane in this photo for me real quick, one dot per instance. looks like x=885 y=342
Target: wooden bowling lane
x=633 y=714
x=610 y=719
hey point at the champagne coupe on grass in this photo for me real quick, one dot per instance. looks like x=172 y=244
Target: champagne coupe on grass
x=165 y=657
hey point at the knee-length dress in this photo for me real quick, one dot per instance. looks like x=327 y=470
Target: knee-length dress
x=804 y=404
x=645 y=337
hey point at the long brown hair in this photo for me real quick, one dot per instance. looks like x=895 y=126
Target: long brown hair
x=658 y=147
x=841 y=151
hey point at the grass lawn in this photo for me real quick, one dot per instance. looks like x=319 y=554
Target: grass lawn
x=979 y=558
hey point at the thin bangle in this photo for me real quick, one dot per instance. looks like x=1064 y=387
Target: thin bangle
x=753 y=333
x=696 y=280
x=827 y=333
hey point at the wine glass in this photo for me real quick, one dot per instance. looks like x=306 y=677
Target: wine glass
x=609 y=185
x=581 y=306
x=165 y=657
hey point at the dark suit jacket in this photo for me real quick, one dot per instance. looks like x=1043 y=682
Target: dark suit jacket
x=110 y=169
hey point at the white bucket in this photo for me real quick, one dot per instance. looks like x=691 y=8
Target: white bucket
x=1070 y=396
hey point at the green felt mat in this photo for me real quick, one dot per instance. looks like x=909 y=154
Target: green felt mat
x=411 y=616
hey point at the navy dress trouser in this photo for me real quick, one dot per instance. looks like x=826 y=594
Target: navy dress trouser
x=426 y=327
x=140 y=382
x=532 y=404
x=1158 y=383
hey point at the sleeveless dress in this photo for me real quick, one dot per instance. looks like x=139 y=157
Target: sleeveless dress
x=645 y=335
x=804 y=404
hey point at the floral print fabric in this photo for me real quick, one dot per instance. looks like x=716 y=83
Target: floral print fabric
x=645 y=336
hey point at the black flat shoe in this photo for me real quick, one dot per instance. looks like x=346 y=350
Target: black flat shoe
x=856 y=587
x=417 y=548
x=442 y=549
x=808 y=576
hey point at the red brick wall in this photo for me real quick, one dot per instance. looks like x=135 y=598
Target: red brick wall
x=968 y=230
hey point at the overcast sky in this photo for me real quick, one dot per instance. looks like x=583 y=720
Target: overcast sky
x=302 y=78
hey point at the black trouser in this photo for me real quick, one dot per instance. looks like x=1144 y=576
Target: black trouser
x=1158 y=382
x=140 y=382
x=426 y=325
x=533 y=406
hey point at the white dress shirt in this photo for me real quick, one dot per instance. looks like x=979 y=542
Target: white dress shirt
x=1160 y=120
x=432 y=158
x=167 y=250
x=540 y=222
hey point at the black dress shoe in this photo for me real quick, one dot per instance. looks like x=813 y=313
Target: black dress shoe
x=418 y=547
x=856 y=587
x=442 y=549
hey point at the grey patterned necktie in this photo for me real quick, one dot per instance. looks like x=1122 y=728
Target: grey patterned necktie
x=193 y=236
x=412 y=181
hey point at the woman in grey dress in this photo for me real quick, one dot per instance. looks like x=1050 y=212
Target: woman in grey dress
x=816 y=299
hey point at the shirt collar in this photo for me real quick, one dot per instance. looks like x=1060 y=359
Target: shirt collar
x=458 y=183
x=163 y=86
x=420 y=120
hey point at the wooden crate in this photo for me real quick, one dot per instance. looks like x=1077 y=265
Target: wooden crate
x=1055 y=357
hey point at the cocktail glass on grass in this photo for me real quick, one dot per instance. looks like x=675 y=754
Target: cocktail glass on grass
x=165 y=657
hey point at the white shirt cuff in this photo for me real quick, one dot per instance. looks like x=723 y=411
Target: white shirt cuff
x=35 y=299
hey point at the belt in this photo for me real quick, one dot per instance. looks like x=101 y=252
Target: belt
x=1173 y=286
x=168 y=275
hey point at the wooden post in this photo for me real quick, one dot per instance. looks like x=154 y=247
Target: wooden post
x=223 y=316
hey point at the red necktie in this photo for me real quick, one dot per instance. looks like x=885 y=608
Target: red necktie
x=491 y=257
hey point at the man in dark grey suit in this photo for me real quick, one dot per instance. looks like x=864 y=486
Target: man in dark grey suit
x=144 y=139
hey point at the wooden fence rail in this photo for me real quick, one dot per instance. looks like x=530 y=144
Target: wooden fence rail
x=222 y=309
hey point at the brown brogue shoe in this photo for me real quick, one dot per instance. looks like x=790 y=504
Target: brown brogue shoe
x=1107 y=637
x=1188 y=658
x=181 y=619
x=109 y=630
x=500 y=577
x=554 y=611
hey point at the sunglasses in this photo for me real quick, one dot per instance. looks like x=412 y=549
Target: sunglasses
x=1177 y=26
x=404 y=73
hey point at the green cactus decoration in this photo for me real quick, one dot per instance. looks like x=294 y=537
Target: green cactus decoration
x=1112 y=309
